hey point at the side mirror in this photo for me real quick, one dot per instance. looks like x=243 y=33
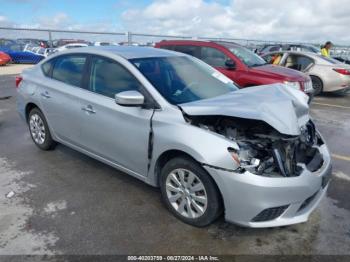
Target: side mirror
x=129 y=98
x=230 y=64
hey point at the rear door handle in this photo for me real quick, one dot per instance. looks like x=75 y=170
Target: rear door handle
x=89 y=109
x=45 y=94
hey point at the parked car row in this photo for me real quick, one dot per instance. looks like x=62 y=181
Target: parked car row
x=27 y=50
x=287 y=47
x=32 y=51
x=342 y=55
x=174 y=122
x=316 y=74
x=18 y=54
x=239 y=64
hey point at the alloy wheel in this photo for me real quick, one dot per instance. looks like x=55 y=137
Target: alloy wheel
x=37 y=129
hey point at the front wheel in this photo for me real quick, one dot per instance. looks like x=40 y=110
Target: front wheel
x=189 y=192
x=39 y=130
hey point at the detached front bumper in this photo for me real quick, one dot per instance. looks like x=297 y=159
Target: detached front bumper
x=256 y=201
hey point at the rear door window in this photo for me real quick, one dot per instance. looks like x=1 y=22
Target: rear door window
x=69 y=69
x=187 y=49
x=168 y=47
x=298 y=62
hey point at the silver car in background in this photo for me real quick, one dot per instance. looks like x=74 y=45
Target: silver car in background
x=327 y=74
x=176 y=123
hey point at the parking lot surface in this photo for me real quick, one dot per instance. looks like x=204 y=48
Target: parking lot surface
x=64 y=202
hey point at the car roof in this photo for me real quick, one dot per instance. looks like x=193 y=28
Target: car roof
x=218 y=42
x=210 y=43
x=184 y=41
x=128 y=52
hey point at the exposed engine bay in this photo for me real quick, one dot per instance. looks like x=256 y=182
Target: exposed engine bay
x=263 y=150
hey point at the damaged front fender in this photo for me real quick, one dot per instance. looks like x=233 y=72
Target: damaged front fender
x=171 y=132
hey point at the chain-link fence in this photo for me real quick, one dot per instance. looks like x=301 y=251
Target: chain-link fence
x=21 y=36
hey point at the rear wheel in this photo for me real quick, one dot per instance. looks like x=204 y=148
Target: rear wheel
x=317 y=85
x=189 y=192
x=39 y=130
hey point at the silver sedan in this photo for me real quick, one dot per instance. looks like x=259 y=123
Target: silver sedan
x=176 y=123
x=327 y=74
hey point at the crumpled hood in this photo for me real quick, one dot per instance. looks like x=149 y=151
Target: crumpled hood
x=283 y=108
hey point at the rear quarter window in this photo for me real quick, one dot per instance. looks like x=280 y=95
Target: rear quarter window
x=46 y=68
x=187 y=49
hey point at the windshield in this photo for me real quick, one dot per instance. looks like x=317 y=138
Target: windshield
x=183 y=79
x=246 y=56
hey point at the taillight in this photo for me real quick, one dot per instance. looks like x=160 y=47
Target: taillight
x=18 y=80
x=342 y=71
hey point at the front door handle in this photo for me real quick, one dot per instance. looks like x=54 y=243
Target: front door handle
x=89 y=109
x=45 y=94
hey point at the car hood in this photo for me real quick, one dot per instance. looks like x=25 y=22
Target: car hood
x=282 y=107
x=276 y=71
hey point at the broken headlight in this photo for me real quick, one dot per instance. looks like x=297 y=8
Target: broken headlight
x=295 y=85
x=245 y=158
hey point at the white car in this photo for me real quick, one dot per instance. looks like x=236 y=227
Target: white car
x=71 y=46
x=104 y=43
x=38 y=50
x=327 y=74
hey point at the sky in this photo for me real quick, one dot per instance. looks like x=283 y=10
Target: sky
x=314 y=21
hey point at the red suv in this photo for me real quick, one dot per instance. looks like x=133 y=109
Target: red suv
x=239 y=64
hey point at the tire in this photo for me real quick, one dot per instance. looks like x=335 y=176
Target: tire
x=39 y=130
x=317 y=85
x=197 y=204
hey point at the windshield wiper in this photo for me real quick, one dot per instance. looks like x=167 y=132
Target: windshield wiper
x=255 y=65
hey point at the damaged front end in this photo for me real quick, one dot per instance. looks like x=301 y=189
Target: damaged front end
x=262 y=149
x=276 y=167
